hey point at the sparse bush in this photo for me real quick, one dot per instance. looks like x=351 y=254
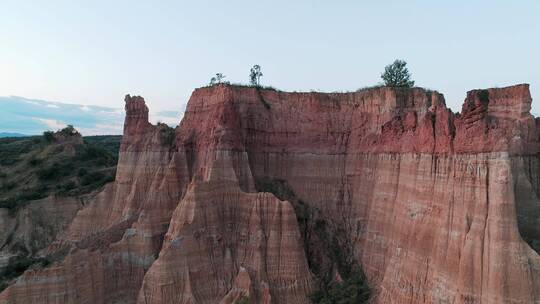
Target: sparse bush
x=34 y=193
x=397 y=75
x=92 y=152
x=69 y=131
x=35 y=161
x=166 y=134
x=6 y=186
x=20 y=264
x=48 y=136
x=9 y=203
x=110 y=177
x=535 y=244
x=16 y=267
x=110 y=143
x=98 y=155
x=217 y=79
x=27 y=194
x=532 y=241
x=92 y=178
x=82 y=172
x=46 y=173
x=55 y=171
x=9 y=161
x=352 y=290
x=66 y=187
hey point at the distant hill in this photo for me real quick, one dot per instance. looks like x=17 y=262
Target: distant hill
x=42 y=178
x=8 y=134
x=63 y=164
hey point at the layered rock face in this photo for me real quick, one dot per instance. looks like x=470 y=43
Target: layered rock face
x=35 y=226
x=437 y=207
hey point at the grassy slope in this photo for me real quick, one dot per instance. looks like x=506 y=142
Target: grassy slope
x=32 y=168
x=111 y=143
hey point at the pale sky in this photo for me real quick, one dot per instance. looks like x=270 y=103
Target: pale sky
x=95 y=52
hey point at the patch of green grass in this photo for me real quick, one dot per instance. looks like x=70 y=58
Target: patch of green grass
x=366 y=88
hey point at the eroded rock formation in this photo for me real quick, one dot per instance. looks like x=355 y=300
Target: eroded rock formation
x=437 y=207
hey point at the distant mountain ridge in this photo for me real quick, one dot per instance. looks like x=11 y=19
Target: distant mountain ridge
x=9 y=134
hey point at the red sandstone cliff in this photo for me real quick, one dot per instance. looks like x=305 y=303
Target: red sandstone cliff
x=434 y=205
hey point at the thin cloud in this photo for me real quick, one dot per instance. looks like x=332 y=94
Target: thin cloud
x=174 y=114
x=52 y=124
x=101 y=129
x=35 y=116
x=171 y=121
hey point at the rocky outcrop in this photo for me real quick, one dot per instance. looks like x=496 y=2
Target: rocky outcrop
x=437 y=207
x=224 y=244
x=33 y=227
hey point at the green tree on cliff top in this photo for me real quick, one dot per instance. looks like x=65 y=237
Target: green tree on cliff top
x=397 y=75
x=255 y=75
x=217 y=79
